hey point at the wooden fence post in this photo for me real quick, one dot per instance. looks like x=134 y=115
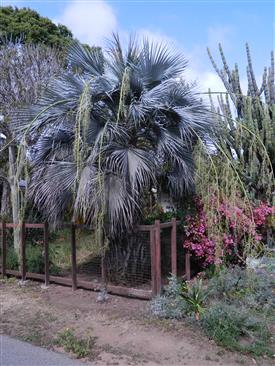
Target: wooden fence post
x=73 y=258
x=174 y=246
x=4 y=248
x=23 y=251
x=187 y=266
x=103 y=261
x=153 y=262
x=46 y=253
x=158 y=256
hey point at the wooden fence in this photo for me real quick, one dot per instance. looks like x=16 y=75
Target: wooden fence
x=154 y=232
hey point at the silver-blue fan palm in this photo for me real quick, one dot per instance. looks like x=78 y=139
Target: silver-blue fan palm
x=109 y=129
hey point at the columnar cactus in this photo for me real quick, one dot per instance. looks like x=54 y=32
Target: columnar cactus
x=248 y=138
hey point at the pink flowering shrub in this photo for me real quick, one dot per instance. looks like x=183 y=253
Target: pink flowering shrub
x=196 y=238
x=262 y=212
x=236 y=223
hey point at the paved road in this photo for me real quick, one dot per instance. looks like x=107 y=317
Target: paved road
x=17 y=353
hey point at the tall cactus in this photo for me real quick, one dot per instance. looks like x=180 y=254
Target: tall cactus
x=247 y=124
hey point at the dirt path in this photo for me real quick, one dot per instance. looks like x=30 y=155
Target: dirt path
x=124 y=333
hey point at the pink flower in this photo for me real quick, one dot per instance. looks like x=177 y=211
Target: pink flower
x=238 y=223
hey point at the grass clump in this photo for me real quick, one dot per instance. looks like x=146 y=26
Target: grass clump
x=80 y=347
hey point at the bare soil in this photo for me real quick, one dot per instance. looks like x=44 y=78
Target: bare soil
x=124 y=332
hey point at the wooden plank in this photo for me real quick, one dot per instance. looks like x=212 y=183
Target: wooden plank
x=12 y=226
x=34 y=226
x=165 y=225
x=129 y=292
x=73 y=258
x=116 y=290
x=153 y=262
x=46 y=254
x=36 y=276
x=187 y=266
x=27 y=226
x=143 y=227
x=23 y=251
x=4 y=248
x=13 y=272
x=158 y=256
x=174 y=247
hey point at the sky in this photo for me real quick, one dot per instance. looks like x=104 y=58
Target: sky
x=187 y=25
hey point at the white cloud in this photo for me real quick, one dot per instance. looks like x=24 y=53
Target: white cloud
x=90 y=22
x=155 y=36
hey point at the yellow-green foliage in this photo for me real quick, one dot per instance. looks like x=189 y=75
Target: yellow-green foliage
x=60 y=248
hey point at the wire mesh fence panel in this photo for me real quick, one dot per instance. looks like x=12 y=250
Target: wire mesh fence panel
x=60 y=263
x=128 y=261
x=34 y=250
x=181 y=252
x=88 y=257
x=12 y=258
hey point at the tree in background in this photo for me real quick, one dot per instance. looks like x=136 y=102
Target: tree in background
x=25 y=70
x=29 y=27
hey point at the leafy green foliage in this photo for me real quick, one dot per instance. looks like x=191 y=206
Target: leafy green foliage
x=80 y=347
x=12 y=261
x=60 y=248
x=30 y=27
x=235 y=307
x=195 y=296
x=244 y=287
x=34 y=259
x=157 y=213
x=236 y=328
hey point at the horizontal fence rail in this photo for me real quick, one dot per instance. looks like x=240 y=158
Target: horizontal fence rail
x=76 y=281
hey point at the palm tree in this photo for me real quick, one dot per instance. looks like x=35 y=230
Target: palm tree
x=111 y=128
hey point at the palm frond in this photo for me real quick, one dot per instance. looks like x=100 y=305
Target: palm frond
x=51 y=189
x=158 y=63
x=89 y=60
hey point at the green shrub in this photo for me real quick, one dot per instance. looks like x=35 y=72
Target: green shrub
x=34 y=259
x=243 y=287
x=195 y=296
x=80 y=347
x=179 y=300
x=234 y=310
x=236 y=329
x=171 y=303
x=12 y=259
